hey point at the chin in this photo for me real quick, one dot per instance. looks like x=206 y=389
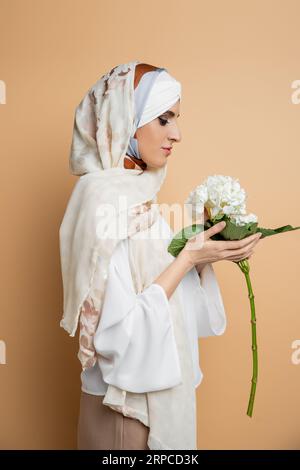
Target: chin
x=157 y=165
x=162 y=162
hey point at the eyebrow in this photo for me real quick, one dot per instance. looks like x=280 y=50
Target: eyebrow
x=170 y=113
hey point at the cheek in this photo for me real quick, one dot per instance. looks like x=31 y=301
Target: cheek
x=151 y=137
x=159 y=135
x=152 y=140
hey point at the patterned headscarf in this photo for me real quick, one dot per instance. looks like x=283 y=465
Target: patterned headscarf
x=104 y=123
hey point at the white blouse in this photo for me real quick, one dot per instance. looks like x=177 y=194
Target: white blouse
x=138 y=353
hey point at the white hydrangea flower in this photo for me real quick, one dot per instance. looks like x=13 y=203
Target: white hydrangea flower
x=243 y=219
x=220 y=195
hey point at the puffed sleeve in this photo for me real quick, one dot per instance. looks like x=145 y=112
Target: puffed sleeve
x=211 y=316
x=134 y=339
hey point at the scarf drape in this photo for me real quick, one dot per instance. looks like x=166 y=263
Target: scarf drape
x=109 y=194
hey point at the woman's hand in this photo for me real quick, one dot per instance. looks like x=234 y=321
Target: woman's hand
x=200 y=266
x=200 y=249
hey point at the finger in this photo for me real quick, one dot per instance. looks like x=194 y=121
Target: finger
x=215 y=229
x=200 y=238
x=240 y=252
x=235 y=244
x=239 y=258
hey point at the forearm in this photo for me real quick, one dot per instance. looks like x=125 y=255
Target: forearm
x=173 y=274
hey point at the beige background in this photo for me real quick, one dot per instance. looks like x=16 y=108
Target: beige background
x=236 y=61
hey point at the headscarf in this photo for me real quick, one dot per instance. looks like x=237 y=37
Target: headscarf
x=156 y=92
x=104 y=128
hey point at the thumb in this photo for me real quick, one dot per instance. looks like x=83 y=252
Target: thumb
x=215 y=229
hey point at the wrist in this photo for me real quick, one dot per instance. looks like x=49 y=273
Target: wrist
x=185 y=259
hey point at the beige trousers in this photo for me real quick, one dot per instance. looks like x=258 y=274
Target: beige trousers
x=100 y=427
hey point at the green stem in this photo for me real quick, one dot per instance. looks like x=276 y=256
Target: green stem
x=245 y=267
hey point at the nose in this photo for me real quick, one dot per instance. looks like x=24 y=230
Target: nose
x=174 y=133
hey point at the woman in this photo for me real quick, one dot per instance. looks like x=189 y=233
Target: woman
x=140 y=311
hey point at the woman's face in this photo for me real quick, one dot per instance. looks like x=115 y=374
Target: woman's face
x=162 y=131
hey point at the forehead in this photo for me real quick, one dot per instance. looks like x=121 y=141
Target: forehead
x=173 y=110
x=175 y=106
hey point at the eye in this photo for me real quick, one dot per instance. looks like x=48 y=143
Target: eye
x=162 y=121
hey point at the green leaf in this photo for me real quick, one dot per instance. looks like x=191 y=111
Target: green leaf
x=266 y=232
x=181 y=237
x=230 y=232
x=238 y=232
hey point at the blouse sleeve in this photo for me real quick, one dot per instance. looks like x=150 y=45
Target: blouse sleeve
x=134 y=339
x=211 y=316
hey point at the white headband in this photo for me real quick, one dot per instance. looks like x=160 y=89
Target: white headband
x=164 y=92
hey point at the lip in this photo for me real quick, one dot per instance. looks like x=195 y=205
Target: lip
x=167 y=150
